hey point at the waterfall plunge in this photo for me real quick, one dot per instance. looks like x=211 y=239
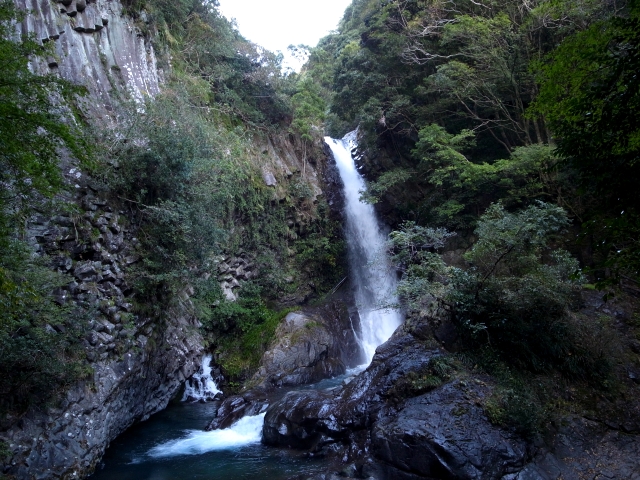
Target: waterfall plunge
x=244 y=432
x=374 y=281
x=201 y=387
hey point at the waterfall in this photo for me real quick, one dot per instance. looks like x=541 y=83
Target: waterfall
x=201 y=387
x=372 y=276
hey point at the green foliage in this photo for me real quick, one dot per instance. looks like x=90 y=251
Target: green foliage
x=508 y=299
x=590 y=95
x=442 y=99
x=515 y=402
x=512 y=244
x=460 y=188
x=308 y=109
x=386 y=183
x=251 y=325
x=187 y=184
x=5 y=451
x=322 y=252
x=40 y=350
x=33 y=127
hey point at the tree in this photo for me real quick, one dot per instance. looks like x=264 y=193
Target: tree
x=33 y=126
x=590 y=95
x=308 y=113
x=36 y=360
x=509 y=299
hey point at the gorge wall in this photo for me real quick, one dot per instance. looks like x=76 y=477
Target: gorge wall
x=138 y=361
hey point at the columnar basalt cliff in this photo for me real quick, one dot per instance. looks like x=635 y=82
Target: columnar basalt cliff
x=96 y=45
x=138 y=361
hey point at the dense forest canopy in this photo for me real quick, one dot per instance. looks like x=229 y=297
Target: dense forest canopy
x=461 y=104
x=507 y=130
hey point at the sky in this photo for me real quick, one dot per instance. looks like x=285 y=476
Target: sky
x=276 y=24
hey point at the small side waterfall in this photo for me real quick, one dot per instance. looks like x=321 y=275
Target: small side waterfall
x=372 y=276
x=201 y=387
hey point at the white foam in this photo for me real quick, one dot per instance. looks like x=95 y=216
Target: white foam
x=246 y=431
x=201 y=385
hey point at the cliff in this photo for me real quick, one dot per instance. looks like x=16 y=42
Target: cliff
x=138 y=358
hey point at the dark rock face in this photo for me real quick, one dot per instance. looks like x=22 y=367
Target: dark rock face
x=139 y=362
x=301 y=419
x=87 y=53
x=440 y=434
x=67 y=442
x=451 y=434
x=235 y=407
x=582 y=448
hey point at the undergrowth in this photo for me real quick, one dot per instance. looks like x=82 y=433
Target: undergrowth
x=245 y=328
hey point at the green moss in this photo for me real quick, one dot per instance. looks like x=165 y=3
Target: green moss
x=240 y=352
x=436 y=372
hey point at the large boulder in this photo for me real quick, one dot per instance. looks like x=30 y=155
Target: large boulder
x=391 y=432
x=308 y=347
x=304 y=351
x=452 y=434
x=235 y=407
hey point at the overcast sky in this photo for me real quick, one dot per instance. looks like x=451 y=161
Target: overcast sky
x=276 y=24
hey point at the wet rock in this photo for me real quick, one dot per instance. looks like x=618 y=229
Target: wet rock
x=298 y=420
x=446 y=426
x=453 y=435
x=235 y=407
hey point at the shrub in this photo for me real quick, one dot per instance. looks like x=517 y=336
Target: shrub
x=249 y=327
x=40 y=350
x=508 y=299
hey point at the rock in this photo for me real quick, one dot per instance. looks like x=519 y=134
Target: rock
x=269 y=178
x=296 y=420
x=92 y=338
x=84 y=270
x=582 y=448
x=453 y=435
x=130 y=259
x=237 y=406
x=446 y=426
x=227 y=292
x=304 y=352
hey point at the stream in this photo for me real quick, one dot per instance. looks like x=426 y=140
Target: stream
x=173 y=443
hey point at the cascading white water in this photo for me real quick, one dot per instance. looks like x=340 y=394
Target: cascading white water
x=245 y=431
x=374 y=280
x=201 y=385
